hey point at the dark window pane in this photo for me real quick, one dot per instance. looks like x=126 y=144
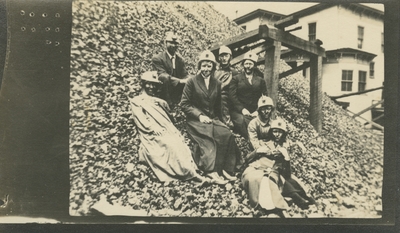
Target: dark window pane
x=312 y=31
x=360 y=43
x=360 y=37
x=347 y=80
x=360 y=32
x=362 y=80
x=343 y=86
x=371 y=70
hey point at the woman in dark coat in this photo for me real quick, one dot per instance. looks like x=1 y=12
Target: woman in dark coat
x=244 y=91
x=216 y=152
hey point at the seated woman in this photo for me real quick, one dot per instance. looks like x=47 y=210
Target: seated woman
x=267 y=179
x=244 y=91
x=216 y=152
x=162 y=146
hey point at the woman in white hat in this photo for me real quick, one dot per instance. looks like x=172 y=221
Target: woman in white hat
x=162 y=146
x=224 y=74
x=215 y=150
x=244 y=91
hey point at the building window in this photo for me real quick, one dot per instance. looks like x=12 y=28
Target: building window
x=360 y=37
x=362 y=80
x=382 y=42
x=312 y=31
x=372 y=70
x=347 y=80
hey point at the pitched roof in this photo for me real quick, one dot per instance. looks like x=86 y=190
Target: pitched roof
x=357 y=7
x=368 y=56
x=257 y=13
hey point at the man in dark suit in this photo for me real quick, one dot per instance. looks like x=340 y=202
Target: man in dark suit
x=171 y=70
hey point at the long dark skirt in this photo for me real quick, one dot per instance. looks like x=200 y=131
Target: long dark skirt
x=292 y=186
x=240 y=123
x=215 y=147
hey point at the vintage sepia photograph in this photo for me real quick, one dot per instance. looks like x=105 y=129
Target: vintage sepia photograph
x=226 y=109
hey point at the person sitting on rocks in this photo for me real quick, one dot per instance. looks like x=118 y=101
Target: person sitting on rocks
x=162 y=146
x=216 y=152
x=267 y=179
x=224 y=74
x=244 y=91
x=171 y=70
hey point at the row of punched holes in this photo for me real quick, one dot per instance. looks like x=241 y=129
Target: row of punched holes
x=33 y=29
x=44 y=15
x=57 y=15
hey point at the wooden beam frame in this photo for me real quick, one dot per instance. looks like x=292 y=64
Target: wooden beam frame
x=274 y=40
x=294 y=29
x=370 y=122
x=284 y=55
x=378 y=117
x=294 y=70
x=369 y=108
x=285 y=22
x=290 y=40
x=261 y=48
x=245 y=48
x=355 y=93
x=237 y=41
x=291 y=52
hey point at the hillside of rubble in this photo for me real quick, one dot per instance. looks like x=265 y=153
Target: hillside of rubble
x=113 y=43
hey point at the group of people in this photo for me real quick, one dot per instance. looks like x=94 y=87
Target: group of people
x=216 y=101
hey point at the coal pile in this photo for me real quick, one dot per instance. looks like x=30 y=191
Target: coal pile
x=113 y=43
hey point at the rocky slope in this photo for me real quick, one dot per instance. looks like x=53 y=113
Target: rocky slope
x=112 y=44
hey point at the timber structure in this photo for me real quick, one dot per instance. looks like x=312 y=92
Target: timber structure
x=270 y=40
x=377 y=113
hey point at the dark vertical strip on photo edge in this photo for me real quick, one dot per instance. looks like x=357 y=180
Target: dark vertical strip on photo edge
x=3 y=37
x=34 y=109
x=390 y=190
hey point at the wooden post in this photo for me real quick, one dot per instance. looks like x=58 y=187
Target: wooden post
x=316 y=92
x=271 y=70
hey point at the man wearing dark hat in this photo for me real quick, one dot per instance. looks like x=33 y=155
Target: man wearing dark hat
x=171 y=70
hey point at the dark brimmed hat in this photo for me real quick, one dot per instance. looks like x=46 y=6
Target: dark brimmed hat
x=172 y=37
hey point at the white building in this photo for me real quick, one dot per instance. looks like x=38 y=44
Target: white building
x=352 y=35
x=255 y=18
